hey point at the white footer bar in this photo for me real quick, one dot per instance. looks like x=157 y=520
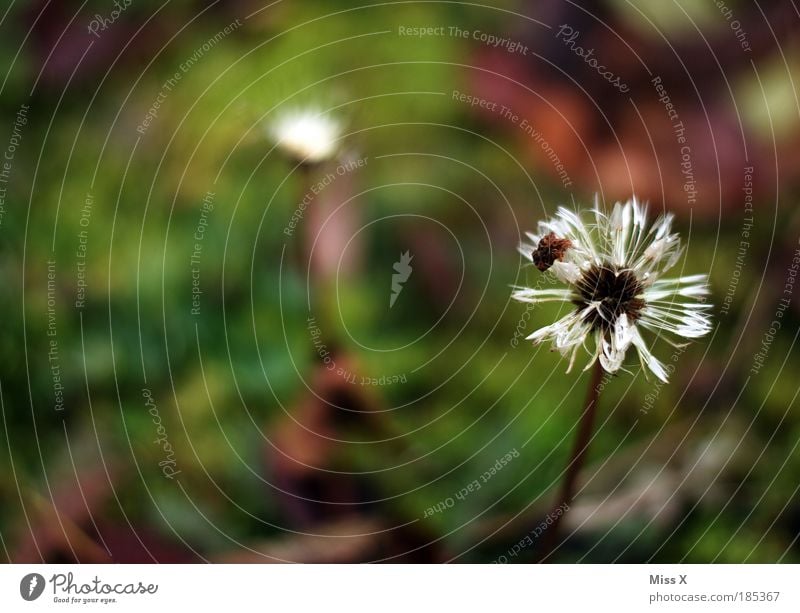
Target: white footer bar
x=401 y=588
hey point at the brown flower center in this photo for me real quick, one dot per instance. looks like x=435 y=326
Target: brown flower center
x=616 y=291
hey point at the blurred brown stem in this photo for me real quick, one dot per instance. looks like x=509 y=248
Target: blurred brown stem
x=577 y=459
x=298 y=253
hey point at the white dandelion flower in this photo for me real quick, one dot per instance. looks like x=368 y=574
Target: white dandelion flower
x=612 y=266
x=307 y=135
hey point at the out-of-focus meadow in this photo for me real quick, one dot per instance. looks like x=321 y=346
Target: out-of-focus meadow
x=195 y=366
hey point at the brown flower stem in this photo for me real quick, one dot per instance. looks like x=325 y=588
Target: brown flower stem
x=577 y=459
x=298 y=253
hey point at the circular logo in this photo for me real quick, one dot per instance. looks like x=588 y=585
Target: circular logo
x=31 y=586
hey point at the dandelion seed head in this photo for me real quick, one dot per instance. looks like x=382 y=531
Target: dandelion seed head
x=612 y=267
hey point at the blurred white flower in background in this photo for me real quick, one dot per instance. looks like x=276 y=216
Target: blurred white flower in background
x=306 y=135
x=612 y=265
